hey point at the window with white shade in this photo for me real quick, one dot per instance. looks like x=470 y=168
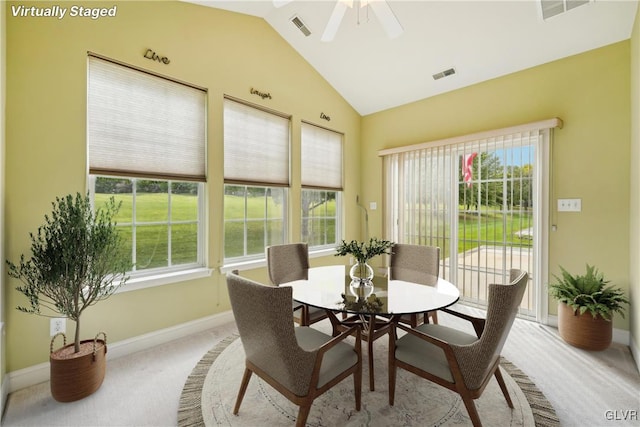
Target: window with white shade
x=256 y=176
x=146 y=139
x=321 y=179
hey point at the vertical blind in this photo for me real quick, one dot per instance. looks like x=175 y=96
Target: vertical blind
x=321 y=158
x=256 y=145
x=143 y=125
x=475 y=198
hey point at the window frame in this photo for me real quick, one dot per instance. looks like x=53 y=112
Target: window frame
x=192 y=167
x=332 y=180
x=141 y=279
x=251 y=258
x=338 y=220
x=249 y=179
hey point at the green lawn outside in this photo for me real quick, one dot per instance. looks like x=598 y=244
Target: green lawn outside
x=152 y=243
x=152 y=246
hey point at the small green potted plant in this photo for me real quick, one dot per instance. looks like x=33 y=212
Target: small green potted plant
x=585 y=308
x=361 y=272
x=77 y=259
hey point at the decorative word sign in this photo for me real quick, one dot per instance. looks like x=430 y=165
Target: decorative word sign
x=150 y=54
x=325 y=117
x=262 y=95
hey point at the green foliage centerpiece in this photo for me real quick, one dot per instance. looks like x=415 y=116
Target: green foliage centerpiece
x=76 y=260
x=361 y=272
x=585 y=308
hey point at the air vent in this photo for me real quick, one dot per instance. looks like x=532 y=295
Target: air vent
x=300 y=25
x=444 y=73
x=552 y=8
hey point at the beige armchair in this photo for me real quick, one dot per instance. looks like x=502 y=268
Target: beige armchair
x=287 y=263
x=299 y=362
x=454 y=359
x=419 y=264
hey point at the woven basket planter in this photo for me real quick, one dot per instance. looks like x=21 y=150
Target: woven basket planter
x=75 y=376
x=583 y=330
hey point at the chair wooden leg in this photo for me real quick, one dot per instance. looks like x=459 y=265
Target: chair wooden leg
x=357 y=386
x=392 y=366
x=303 y=414
x=243 y=388
x=433 y=315
x=473 y=412
x=372 y=385
x=503 y=387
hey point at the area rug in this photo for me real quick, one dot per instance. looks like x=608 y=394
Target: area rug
x=210 y=391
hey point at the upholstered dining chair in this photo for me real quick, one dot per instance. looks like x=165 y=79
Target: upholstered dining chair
x=299 y=362
x=419 y=264
x=461 y=362
x=287 y=263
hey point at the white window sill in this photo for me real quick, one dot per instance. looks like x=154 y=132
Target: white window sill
x=138 y=283
x=243 y=265
x=258 y=263
x=322 y=252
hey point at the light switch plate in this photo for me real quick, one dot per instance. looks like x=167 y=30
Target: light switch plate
x=569 y=205
x=373 y=206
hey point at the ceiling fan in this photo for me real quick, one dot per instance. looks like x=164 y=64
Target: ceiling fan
x=381 y=9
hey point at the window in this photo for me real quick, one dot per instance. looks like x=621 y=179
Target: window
x=159 y=219
x=321 y=186
x=256 y=174
x=320 y=213
x=147 y=148
x=254 y=219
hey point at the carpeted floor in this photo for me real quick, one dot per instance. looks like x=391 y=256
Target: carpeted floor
x=143 y=389
x=210 y=391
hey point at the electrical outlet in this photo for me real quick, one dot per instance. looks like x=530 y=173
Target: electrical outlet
x=58 y=324
x=569 y=205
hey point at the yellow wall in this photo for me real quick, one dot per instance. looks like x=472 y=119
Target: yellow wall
x=3 y=49
x=634 y=230
x=590 y=92
x=225 y=52
x=229 y=53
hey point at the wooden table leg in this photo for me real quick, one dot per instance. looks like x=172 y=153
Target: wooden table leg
x=370 y=339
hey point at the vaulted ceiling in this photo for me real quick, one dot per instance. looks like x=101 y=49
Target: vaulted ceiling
x=480 y=40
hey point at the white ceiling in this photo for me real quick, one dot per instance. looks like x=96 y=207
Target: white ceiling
x=481 y=39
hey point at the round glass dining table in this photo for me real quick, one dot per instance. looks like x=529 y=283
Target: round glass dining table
x=330 y=288
x=375 y=307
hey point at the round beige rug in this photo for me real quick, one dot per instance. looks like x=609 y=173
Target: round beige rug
x=210 y=391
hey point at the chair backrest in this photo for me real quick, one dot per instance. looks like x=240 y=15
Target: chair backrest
x=288 y=262
x=263 y=318
x=414 y=263
x=476 y=360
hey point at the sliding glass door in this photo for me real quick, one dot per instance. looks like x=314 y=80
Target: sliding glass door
x=480 y=202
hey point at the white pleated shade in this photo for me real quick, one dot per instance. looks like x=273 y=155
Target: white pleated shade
x=256 y=145
x=321 y=158
x=140 y=124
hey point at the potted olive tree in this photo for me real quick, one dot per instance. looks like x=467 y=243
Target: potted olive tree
x=585 y=308
x=77 y=259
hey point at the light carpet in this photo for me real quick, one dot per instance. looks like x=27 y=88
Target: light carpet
x=210 y=391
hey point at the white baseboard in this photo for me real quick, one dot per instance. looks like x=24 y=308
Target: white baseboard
x=4 y=387
x=635 y=352
x=620 y=336
x=36 y=374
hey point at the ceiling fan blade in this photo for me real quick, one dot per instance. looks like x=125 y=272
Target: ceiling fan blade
x=334 y=21
x=280 y=3
x=386 y=17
